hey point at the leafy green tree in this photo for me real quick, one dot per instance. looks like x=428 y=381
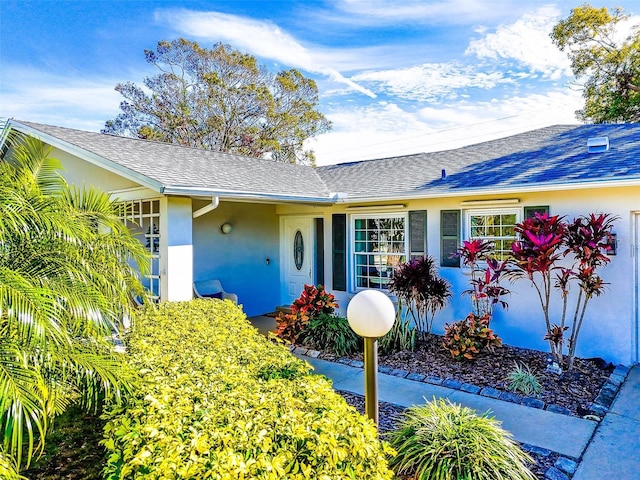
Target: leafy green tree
x=610 y=68
x=221 y=99
x=66 y=278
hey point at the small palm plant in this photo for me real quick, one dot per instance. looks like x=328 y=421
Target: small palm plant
x=446 y=441
x=402 y=335
x=522 y=380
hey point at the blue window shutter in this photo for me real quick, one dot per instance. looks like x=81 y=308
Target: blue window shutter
x=319 y=251
x=530 y=212
x=417 y=234
x=449 y=237
x=339 y=251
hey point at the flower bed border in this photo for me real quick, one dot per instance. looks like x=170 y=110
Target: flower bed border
x=596 y=411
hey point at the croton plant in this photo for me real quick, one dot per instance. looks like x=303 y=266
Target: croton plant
x=312 y=302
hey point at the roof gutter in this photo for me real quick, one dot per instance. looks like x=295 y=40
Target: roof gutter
x=215 y=201
x=243 y=195
x=491 y=191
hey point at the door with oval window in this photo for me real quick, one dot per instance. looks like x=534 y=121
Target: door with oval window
x=297 y=251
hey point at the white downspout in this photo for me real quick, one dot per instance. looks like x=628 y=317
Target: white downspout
x=215 y=201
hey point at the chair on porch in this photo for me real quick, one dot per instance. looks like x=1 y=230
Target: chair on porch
x=213 y=289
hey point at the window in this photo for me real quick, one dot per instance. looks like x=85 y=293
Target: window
x=142 y=217
x=497 y=226
x=379 y=246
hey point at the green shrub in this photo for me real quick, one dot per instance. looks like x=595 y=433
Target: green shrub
x=331 y=333
x=402 y=335
x=287 y=371
x=521 y=379
x=445 y=441
x=466 y=338
x=221 y=401
x=313 y=302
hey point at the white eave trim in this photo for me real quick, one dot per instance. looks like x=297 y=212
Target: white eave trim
x=90 y=157
x=134 y=193
x=239 y=195
x=634 y=182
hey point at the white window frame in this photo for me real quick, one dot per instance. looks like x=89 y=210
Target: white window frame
x=353 y=264
x=143 y=219
x=485 y=212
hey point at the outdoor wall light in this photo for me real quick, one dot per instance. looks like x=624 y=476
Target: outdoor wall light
x=612 y=244
x=226 y=228
x=371 y=315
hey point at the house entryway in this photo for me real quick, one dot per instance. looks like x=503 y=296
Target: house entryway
x=298 y=249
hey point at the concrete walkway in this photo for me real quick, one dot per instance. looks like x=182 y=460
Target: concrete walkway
x=614 y=450
x=560 y=433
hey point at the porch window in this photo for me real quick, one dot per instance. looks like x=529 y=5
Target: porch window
x=379 y=246
x=497 y=226
x=142 y=217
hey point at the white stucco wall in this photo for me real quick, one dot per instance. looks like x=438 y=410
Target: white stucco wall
x=196 y=248
x=80 y=172
x=609 y=330
x=239 y=259
x=176 y=249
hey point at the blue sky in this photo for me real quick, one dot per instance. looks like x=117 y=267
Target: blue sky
x=394 y=77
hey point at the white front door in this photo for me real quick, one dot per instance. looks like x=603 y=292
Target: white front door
x=296 y=252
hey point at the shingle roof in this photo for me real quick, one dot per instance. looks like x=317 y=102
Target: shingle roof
x=547 y=157
x=184 y=167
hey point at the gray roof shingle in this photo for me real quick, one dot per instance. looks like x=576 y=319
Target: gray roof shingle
x=184 y=167
x=554 y=155
x=548 y=156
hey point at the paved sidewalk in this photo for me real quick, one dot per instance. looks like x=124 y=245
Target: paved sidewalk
x=560 y=433
x=613 y=452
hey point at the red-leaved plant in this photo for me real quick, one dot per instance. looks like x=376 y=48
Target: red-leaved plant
x=588 y=239
x=544 y=241
x=423 y=292
x=312 y=302
x=536 y=254
x=486 y=273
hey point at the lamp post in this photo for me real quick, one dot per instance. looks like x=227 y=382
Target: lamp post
x=371 y=315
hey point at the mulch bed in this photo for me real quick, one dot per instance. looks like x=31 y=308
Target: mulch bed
x=575 y=390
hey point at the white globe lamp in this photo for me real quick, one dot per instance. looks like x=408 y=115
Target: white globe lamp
x=371 y=315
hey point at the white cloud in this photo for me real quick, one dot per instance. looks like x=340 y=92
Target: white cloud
x=261 y=38
x=429 y=82
x=40 y=96
x=526 y=41
x=386 y=130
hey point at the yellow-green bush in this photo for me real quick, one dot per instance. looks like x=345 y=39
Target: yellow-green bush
x=220 y=401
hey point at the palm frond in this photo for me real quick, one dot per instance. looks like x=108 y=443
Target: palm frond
x=8 y=467
x=67 y=272
x=22 y=409
x=31 y=160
